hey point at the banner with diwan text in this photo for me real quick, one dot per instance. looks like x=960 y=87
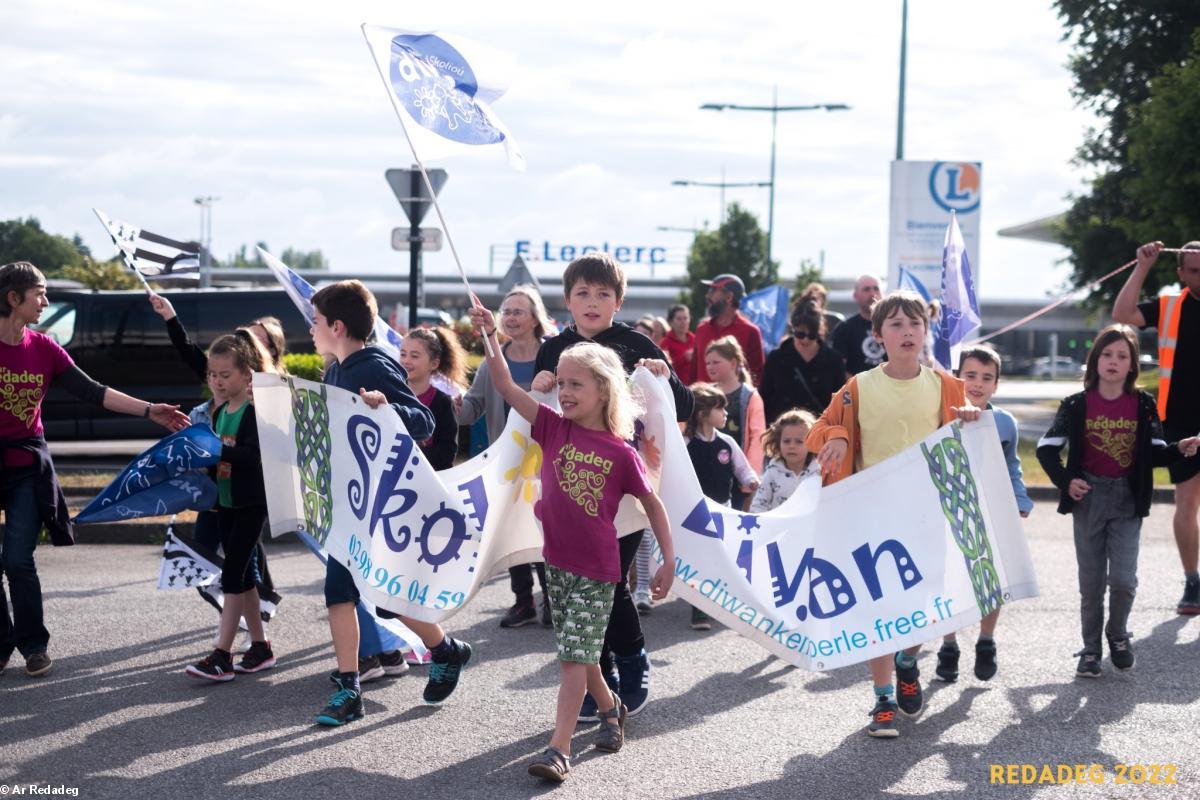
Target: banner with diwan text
x=919 y=546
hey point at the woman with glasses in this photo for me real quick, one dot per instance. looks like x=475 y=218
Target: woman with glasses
x=524 y=323
x=803 y=372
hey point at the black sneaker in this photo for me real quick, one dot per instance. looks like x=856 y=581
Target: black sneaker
x=443 y=675
x=985 y=660
x=1189 y=604
x=547 y=617
x=1121 y=653
x=909 y=696
x=346 y=705
x=393 y=663
x=883 y=721
x=700 y=620
x=588 y=712
x=38 y=664
x=518 y=615
x=634 y=672
x=257 y=658
x=216 y=667
x=1089 y=665
x=947 y=666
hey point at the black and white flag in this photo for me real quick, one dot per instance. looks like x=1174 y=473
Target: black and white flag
x=187 y=565
x=150 y=255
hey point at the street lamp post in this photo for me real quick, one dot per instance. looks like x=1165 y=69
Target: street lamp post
x=722 y=185
x=205 y=204
x=774 y=108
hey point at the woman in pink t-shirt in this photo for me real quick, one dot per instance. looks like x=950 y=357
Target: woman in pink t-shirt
x=29 y=493
x=587 y=467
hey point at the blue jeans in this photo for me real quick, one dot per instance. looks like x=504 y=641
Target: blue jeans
x=24 y=630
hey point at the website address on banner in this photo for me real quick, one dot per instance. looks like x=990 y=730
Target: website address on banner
x=846 y=641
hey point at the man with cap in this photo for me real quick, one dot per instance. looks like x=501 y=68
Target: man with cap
x=724 y=297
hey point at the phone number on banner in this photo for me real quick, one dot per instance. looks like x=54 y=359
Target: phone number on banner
x=396 y=585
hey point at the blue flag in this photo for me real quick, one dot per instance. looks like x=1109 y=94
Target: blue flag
x=162 y=480
x=960 y=310
x=768 y=309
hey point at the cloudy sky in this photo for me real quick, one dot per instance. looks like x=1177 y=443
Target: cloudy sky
x=276 y=108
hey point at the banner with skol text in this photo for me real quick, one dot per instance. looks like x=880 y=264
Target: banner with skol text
x=916 y=547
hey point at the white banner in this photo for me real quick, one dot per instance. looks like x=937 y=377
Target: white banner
x=922 y=196
x=914 y=548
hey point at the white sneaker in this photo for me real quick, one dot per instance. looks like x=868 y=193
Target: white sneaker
x=641 y=599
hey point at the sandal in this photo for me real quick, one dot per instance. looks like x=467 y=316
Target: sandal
x=551 y=765
x=610 y=738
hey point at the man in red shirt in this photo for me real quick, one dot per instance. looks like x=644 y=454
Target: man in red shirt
x=725 y=293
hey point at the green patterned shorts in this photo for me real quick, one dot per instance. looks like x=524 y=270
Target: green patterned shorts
x=580 y=608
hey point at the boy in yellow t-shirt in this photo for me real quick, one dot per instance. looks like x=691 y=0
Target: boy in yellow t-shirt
x=877 y=414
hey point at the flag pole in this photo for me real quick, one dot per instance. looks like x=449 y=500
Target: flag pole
x=424 y=175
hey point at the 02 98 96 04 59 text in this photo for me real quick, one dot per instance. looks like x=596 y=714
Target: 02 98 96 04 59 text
x=395 y=584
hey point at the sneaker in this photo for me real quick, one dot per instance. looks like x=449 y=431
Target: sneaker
x=634 y=672
x=519 y=615
x=547 y=617
x=1089 y=665
x=700 y=620
x=883 y=721
x=258 y=657
x=216 y=667
x=551 y=765
x=38 y=664
x=393 y=663
x=947 y=666
x=346 y=705
x=443 y=675
x=588 y=712
x=369 y=669
x=1120 y=653
x=643 y=602
x=909 y=696
x=1189 y=604
x=985 y=660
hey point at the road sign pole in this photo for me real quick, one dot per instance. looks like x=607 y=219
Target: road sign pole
x=414 y=253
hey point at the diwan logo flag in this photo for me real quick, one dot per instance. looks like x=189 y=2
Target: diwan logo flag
x=823 y=581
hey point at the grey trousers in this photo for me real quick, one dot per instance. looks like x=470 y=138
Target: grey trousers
x=1106 y=550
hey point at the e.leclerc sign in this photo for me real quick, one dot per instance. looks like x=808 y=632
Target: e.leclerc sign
x=628 y=254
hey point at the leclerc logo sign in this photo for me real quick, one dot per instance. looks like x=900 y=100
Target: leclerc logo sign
x=955 y=185
x=628 y=254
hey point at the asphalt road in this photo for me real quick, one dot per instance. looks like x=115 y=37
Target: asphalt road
x=118 y=719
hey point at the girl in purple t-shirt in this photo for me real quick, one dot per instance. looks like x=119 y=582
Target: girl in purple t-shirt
x=587 y=467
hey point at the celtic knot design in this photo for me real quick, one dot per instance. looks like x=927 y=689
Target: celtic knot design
x=950 y=471
x=310 y=412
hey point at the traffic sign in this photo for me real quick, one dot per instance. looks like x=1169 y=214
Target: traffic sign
x=429 y=238
x=410 y=189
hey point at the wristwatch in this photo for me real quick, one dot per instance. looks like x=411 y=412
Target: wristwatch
x=146 y=412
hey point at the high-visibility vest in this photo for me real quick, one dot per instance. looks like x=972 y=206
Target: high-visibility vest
x=1170 y=309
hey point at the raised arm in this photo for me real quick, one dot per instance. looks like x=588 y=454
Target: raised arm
x=1125 y=307
x=521 y=400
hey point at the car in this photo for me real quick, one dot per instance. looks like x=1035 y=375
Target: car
x=117 y=339
x=426 y=318
x=1064 y=367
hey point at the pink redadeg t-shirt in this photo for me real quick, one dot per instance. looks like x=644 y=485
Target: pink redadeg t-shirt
x=585 y=474
x=26 y=370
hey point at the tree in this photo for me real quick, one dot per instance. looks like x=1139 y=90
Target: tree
x=24 y=240
x=739 y=247
x=1120 y=48
x=809 y=273
x=299 y=260
x=112 y=274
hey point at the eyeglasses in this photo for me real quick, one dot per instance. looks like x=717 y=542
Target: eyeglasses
x=805 y=335
x=513 y=312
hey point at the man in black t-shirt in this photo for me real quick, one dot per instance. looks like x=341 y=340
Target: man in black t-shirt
x=853 y=339
x=1181 y=383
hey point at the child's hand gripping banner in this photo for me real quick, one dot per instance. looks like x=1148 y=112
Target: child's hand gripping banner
x=914 y=548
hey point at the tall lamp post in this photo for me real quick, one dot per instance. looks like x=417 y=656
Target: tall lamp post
x=774 y=108
x=722 y=185
x=205 y=204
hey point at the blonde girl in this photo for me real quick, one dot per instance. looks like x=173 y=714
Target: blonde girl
x=726 y=365
x=587 y=467
x=424 y=353
x=783 y=444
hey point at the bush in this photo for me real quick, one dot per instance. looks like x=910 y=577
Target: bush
x=304 y=365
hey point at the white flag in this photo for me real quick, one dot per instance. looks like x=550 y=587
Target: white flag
x=151 y=255
x=442 y=87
